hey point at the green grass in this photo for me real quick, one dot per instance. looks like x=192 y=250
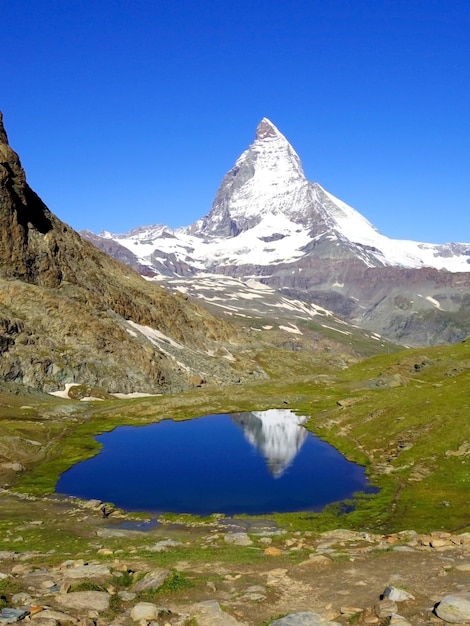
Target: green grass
x=87 y=585
x=175 y=583
x=8 y=587
x=407 y=437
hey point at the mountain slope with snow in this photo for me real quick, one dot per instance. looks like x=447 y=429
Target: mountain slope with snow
x=266 y=212
x=269 y=222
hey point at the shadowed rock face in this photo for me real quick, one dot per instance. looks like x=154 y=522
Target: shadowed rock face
x=66 y=308
x=24 y=222
x=35 y=246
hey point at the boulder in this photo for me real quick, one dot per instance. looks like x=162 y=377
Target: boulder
x=209 y=613
x=92 y=504
x=21 y=598
x=85 y=600
x=238 y=539
x=10 y=616
x=163 y=545
x=14 y=466
x=45 y=621
x=151 y=580
x=455 y=608
x=88 y=571
x=144 y=611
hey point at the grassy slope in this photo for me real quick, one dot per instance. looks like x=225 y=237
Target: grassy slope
x=414 y=437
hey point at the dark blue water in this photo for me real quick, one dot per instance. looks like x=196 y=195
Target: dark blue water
x=250 y=463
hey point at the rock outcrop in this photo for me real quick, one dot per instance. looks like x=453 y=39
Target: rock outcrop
x=71 y=314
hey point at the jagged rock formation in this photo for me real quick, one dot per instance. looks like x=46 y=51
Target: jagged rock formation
x=72 y=314
x=268 y=221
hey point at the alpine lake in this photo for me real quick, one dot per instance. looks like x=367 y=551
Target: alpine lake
x=252 y=463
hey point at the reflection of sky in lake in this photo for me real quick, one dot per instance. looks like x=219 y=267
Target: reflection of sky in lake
x=254 y=463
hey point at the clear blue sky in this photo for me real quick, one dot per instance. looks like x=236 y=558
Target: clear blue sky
x=129 y=112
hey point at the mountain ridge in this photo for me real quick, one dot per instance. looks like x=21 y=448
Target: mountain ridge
x=269 y=222
x=267 y=180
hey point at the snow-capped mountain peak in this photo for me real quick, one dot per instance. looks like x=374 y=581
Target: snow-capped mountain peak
x=269 y=223
x=266 y=179
x=267 y=213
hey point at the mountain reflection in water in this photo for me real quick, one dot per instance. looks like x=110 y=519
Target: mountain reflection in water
x=277 y=433
x=216 y=464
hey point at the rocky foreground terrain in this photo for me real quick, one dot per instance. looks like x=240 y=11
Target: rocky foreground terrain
x=222 y=572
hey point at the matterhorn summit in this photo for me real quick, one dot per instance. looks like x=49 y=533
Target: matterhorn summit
x=266 y=212
x=266 y=182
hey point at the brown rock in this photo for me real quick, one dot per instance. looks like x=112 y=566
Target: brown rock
x=385 y=608
x=85 y=600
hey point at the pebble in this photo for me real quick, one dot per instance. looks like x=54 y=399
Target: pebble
x=398 y=620
x=105 y=552
x=126 y=596
x=350 y=610
x=403 y=549
x=254 y=597
x=463 y=567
